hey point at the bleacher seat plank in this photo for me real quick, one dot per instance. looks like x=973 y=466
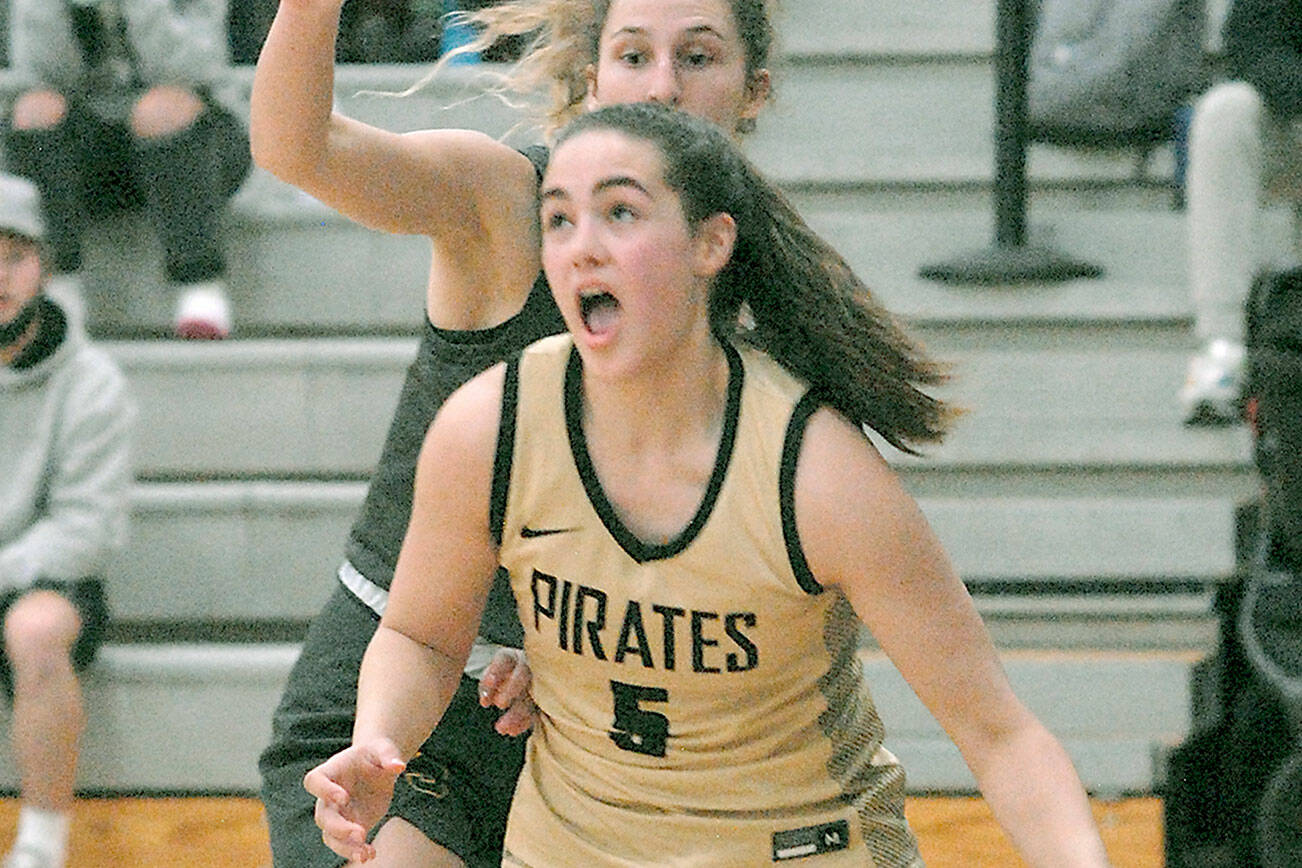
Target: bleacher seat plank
x=290 y=278
x=267 y=550
x=193 y=719
x=1091 y=621
x=1106 y=708
x=1143 y=253
x=239 y=551
x=297 y=407
x=263 y=407
x=1083 y=445
x=1047 y=539
x=837 y=28
x=175 y=718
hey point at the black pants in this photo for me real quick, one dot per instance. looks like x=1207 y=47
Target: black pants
x=86 y=168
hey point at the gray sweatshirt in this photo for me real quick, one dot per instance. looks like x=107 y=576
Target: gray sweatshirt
x=66 y=426
x=176 y=42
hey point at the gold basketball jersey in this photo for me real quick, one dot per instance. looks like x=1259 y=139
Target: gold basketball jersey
x=702 y=702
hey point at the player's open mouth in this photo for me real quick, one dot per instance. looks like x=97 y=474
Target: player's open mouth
x=599 y=311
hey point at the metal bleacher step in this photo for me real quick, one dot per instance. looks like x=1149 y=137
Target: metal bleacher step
x=1142 y=251
x=174 y=718
x=849 y=28
x=277 y=408
x=235 y=552
x=1077 y=408
x=263 y=408
x=325 y=276
x=889 y=27
x=254 y=551
x=193 y=718
x=1108 y=709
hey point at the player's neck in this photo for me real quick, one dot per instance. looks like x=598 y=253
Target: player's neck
x=666 y=407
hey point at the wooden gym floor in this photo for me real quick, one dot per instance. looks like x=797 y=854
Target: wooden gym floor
x=231 y=833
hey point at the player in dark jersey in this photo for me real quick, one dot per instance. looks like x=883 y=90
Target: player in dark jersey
x=475 y=199
x=692 y=518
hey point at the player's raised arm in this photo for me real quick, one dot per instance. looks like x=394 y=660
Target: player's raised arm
x=446 y=184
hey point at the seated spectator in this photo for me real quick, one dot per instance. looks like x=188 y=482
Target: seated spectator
x=1245 y=146
x=65 y=421
x=123 y=104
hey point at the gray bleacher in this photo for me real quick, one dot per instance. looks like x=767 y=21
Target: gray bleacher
x=1089 y=524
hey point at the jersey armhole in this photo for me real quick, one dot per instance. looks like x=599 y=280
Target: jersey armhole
x=795 y=435
x=505 y=450
x=539 y=155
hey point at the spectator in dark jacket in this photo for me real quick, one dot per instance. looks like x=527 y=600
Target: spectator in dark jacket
x=123 y=104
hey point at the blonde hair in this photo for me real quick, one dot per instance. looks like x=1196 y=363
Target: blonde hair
x=562 y=38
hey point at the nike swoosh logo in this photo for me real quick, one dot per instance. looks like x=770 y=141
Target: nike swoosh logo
x=532 y=533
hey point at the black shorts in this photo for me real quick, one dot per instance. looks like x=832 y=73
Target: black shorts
x=106 y=155
x=457 y=791
x=87 y=597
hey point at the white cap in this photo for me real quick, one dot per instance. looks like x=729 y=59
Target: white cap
x=20 y=212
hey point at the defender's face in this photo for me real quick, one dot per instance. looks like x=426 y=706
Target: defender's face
x=687 y=54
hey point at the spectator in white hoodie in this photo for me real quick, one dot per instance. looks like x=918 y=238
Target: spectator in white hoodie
x=66 y=422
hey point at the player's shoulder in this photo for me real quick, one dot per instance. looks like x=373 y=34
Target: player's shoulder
x=837 y=461
x=471 y=414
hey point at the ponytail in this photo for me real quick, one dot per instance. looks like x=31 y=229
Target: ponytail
x=798 y=299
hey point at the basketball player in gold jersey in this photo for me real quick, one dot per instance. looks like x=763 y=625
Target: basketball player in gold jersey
x=694 y=524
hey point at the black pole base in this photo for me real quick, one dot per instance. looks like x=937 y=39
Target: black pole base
x=1006 y=264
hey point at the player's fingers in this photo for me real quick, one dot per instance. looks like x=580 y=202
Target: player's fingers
x=338 y=847
x=516 y=687
x=509 y=683
x=518 y=719
x=341 y=835
x=348 y=850
x=320 y=784
x=496 y=674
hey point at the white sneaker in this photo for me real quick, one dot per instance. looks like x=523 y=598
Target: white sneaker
x=28 y=857
x=1213 y=388
x=203 y=312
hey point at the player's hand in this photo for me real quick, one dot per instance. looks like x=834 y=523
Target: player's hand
x=353 y=790
x=505 y=685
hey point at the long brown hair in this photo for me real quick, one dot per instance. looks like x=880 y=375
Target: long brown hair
x=810 y=311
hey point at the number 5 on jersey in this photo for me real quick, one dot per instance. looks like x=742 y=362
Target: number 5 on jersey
x=635 y=728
